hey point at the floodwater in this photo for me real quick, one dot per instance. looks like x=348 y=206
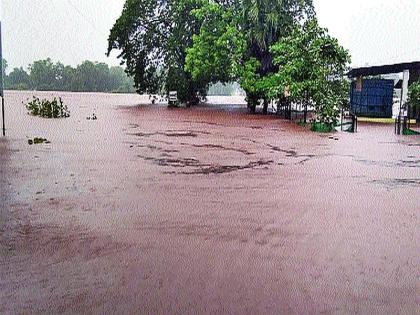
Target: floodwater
x=207 y=210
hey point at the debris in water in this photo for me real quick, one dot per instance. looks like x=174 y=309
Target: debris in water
x=38 y=140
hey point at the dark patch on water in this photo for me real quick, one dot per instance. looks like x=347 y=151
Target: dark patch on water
x=401 y=163
x=204 y=122
x=217 y=146
x=174 y=162
x=394 y=183
x=289 y=153
x=156 y=148
x=220 y=169
x=292 y=153
x=171 y=133
x=181 y=134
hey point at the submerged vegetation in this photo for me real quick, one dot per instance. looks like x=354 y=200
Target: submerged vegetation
x=410 y=132
x=38 y=140
x=322 y=127
x=48 y=109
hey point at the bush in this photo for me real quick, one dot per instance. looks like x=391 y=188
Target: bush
x=48 y=109
x=37 y=140
x=410 y=132
x=322 y=127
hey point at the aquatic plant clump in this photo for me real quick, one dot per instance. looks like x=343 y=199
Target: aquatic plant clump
x=48 y=109
x=322 y=127
x=38 y=140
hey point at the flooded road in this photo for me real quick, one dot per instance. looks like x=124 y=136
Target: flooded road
x=207 y=210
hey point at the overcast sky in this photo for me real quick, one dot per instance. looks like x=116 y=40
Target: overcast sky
x=375 y=31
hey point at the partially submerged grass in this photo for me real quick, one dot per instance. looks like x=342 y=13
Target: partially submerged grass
x=302 y=123
x=37 y=140
x=410 y=132
x=322 y=127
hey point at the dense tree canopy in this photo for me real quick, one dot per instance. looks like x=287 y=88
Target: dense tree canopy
x=186 y=45
x=44 y=75
x=18 y=79
x=153 y=36
x=414 y=100
x=311 y=65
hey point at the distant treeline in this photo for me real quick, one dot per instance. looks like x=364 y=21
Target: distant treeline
x=44 y=75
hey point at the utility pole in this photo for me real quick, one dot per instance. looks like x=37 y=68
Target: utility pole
x=1 y=86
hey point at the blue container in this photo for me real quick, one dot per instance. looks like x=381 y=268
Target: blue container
x=374 y=99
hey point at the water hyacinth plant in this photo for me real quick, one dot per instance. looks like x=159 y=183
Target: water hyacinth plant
x=48 y=109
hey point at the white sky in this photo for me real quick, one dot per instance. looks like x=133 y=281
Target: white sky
x=71 y=31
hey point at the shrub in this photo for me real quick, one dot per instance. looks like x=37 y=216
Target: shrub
x=410 y=132
x=322 y=127
x=48 y=109
x=37 y=140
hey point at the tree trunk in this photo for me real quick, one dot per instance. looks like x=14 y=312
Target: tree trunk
x=265 y=107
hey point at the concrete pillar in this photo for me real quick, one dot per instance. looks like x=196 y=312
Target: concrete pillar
x=404 y=93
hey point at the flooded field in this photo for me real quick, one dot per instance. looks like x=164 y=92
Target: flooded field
x=207 y=210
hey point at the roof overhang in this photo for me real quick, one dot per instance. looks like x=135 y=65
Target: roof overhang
x=386 y=69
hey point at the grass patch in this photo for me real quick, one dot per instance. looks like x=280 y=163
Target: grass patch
x=410 y=132
x=322 y=127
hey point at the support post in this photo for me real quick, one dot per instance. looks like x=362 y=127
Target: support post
x=1 y=85
x=2 y=115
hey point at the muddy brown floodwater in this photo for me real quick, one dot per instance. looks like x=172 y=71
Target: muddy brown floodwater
x=206 y=210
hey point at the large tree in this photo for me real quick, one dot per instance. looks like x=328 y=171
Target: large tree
x=45 y=75
x=311 y=65
x=235 y=38
x=153 y=36
x=18 y=79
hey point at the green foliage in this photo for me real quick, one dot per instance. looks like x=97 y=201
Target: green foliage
x=186 y=45
x=265 y=45
x=218 y=48
x=410 y=132
x=38 y=140
x=414 y=99
x=414 y=94
x=322 y=127
x=312 y=66
x=3 y=69
x=153 y=37
x=48 y=109
x=44 y=75
x=18 y=79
